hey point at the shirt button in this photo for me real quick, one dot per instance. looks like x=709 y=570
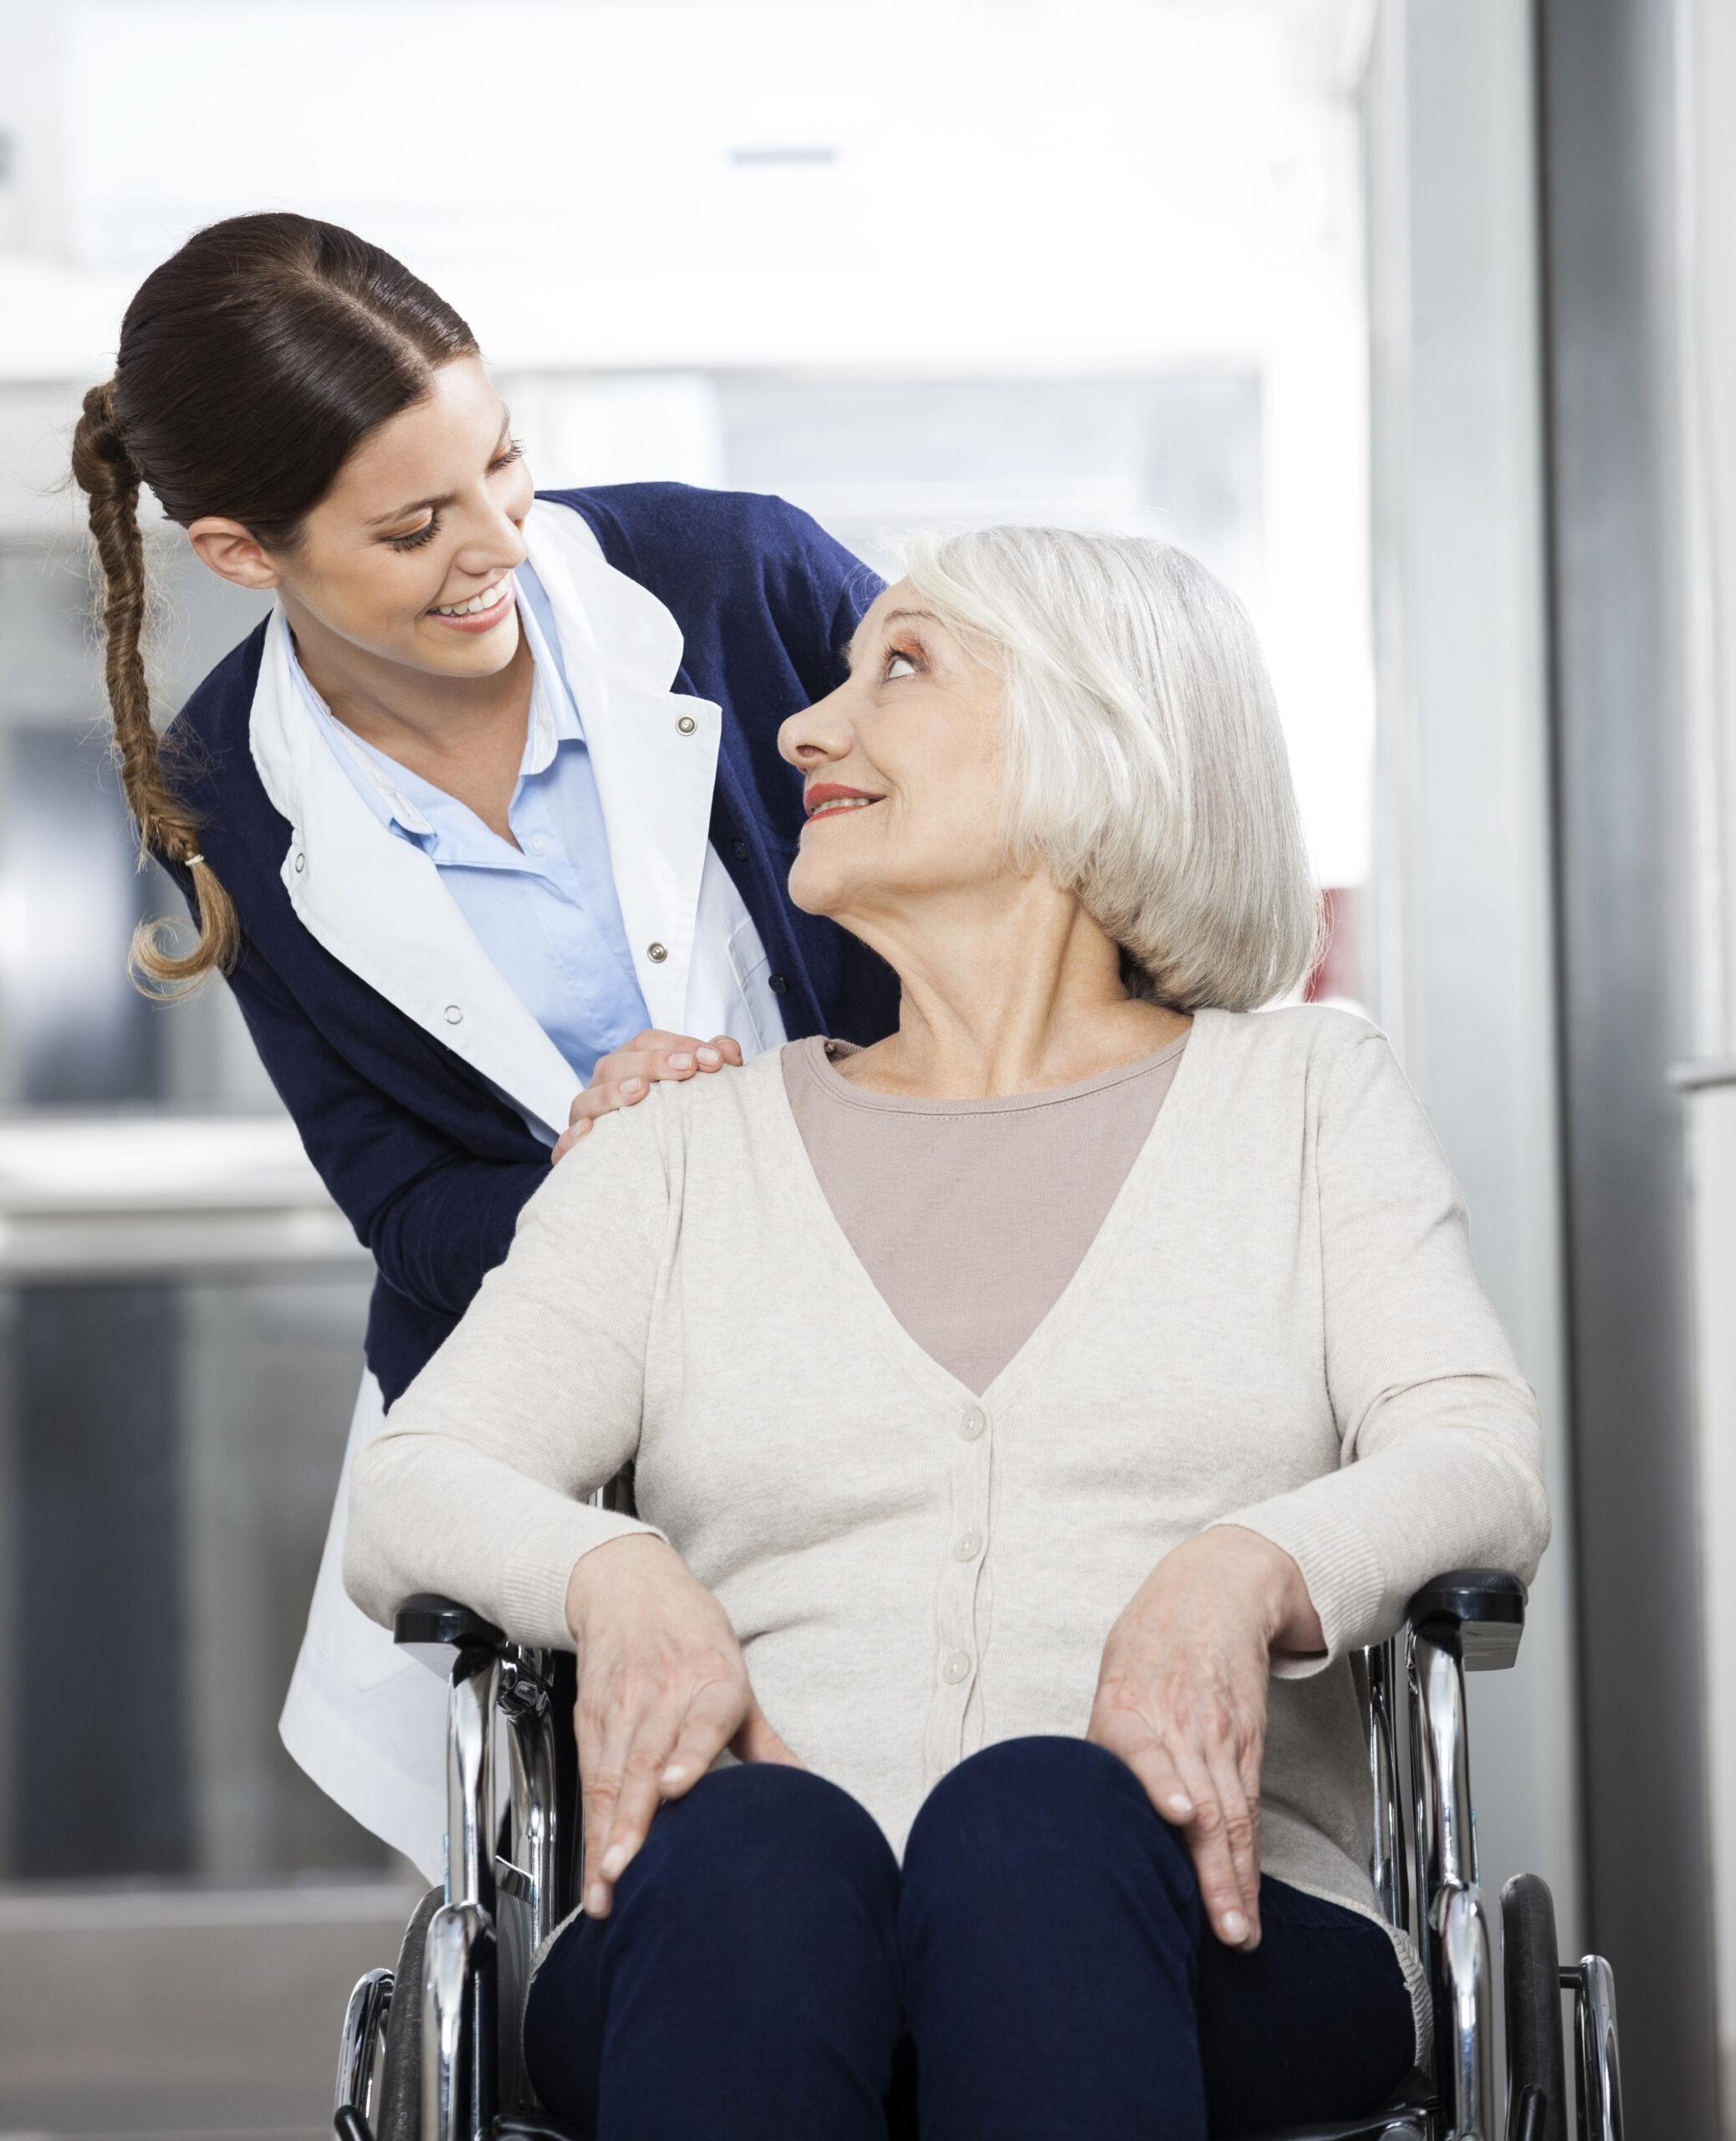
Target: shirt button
x=454 y=1015
x=656 y=953
x=967 y=1547
x=954 y=1667
x=687 y=724
x=971 y=1424
x=538 y=845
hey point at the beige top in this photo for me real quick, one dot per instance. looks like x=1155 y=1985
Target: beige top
x=971 y=1216
x=1278 y=1324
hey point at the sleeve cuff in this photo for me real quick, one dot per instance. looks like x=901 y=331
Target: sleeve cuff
x=533 y=1589
x=1340 y=1568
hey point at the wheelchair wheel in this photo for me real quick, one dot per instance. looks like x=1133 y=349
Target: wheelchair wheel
x=400 y=2115
x=1536 y=2056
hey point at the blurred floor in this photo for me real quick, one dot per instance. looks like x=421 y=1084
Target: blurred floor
x=212 y=2012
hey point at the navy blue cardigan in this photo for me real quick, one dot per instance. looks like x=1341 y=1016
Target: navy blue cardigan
x=430 y=1166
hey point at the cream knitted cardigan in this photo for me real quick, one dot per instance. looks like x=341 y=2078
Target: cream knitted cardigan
x=1279 y=1325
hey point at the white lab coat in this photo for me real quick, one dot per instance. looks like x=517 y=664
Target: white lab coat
x=366 y=1722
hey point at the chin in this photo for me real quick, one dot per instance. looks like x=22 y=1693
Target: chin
x=455 y=654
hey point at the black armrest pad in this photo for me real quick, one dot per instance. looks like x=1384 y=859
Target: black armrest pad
x=1485 y=1607
x=429 y=1618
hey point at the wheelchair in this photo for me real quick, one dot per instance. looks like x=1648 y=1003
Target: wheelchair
x=429 y=2050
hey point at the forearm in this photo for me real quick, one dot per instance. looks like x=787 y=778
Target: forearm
x=1367 y=1537
x=428 y=1512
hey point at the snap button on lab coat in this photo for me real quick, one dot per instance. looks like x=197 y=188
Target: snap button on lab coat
x=454 y=1015
x=967 y=1547
x=658 y=952
x=956 y=1666
x=972 y=1425
x=687 y=724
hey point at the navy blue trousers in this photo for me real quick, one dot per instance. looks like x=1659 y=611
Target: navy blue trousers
x=1039 y=1967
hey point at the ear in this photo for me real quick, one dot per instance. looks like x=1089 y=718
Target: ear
x=231 y=553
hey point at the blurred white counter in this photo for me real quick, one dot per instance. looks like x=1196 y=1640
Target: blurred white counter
x=87 y=1196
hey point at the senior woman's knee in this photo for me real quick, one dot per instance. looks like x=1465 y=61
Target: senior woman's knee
x=755 y=1833
x=1023 y=1804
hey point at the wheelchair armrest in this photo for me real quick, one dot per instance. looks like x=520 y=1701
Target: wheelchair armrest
x=1485 y=1608
x=428 y=1618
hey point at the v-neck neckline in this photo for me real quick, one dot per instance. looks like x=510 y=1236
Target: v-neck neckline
x=799 y=1181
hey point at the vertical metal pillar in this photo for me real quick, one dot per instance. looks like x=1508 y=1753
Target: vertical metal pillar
x=1606 y=109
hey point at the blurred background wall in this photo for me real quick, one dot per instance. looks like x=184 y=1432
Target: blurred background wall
x=1414 y=319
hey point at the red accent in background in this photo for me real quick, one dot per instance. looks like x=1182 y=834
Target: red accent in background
x=1338 y=972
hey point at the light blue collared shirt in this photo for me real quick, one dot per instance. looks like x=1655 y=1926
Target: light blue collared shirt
x=546 y=911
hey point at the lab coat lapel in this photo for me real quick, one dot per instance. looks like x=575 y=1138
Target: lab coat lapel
x=378 y=904
x=654 y=751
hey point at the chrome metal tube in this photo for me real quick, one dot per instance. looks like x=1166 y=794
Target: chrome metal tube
x=1375 y=1673
x=1594 y=2017
x=1469 y=2014
x=458 y=1946
x=1454 y=1934
x=470 y=1779
x=530 y=1754
x=364 y=2021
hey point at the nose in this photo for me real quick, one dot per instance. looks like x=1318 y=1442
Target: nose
x=820 y=733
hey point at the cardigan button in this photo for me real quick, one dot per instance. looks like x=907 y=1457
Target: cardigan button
x=955 y=1667
x=778 y=984
x=687 y=724
x=656 y=953
x=454 y=1014
x=971 y=1424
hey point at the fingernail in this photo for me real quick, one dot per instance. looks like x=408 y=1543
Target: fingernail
x=681 y=1063
x=614 y=1859
x=1179 y=1805
x=675 y=1774
x=596 y=1899
x=710 y=1058
x=632 y=1084
x=1235 y=1926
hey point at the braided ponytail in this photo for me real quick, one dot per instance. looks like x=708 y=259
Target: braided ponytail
x=252 y=365
x=108 y=475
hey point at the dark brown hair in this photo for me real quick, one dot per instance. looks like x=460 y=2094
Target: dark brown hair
x=252 y=365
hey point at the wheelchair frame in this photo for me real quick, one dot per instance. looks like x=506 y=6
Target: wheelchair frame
x=510 y=1886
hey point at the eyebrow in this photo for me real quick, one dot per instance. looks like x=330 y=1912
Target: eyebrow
x=433 y=505
x=848 y=649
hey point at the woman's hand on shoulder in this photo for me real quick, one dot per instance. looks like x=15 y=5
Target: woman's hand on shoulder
x=629 y=1073
x=662 y=1691
x=1181 y=1699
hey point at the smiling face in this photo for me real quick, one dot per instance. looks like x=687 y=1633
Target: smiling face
x=903 y=772
x=408 y=559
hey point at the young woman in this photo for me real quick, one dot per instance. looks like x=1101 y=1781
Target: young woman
x=485 y=825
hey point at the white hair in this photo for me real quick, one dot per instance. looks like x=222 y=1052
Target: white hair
x=1146 y=767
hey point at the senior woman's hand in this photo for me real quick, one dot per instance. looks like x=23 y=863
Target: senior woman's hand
x=628 y=1074
x=1181 y=1699
x=662 y=1691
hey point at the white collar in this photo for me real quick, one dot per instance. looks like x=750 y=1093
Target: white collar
x=378 y=903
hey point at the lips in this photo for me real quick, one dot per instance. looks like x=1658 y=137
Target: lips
x=829 y=798
x=478 y=605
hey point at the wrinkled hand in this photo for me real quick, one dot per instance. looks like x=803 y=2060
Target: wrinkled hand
x=662 y=1690
x=1181 y=1699
x=627 y=1076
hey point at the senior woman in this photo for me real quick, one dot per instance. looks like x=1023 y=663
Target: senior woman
x=1010 y=1402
